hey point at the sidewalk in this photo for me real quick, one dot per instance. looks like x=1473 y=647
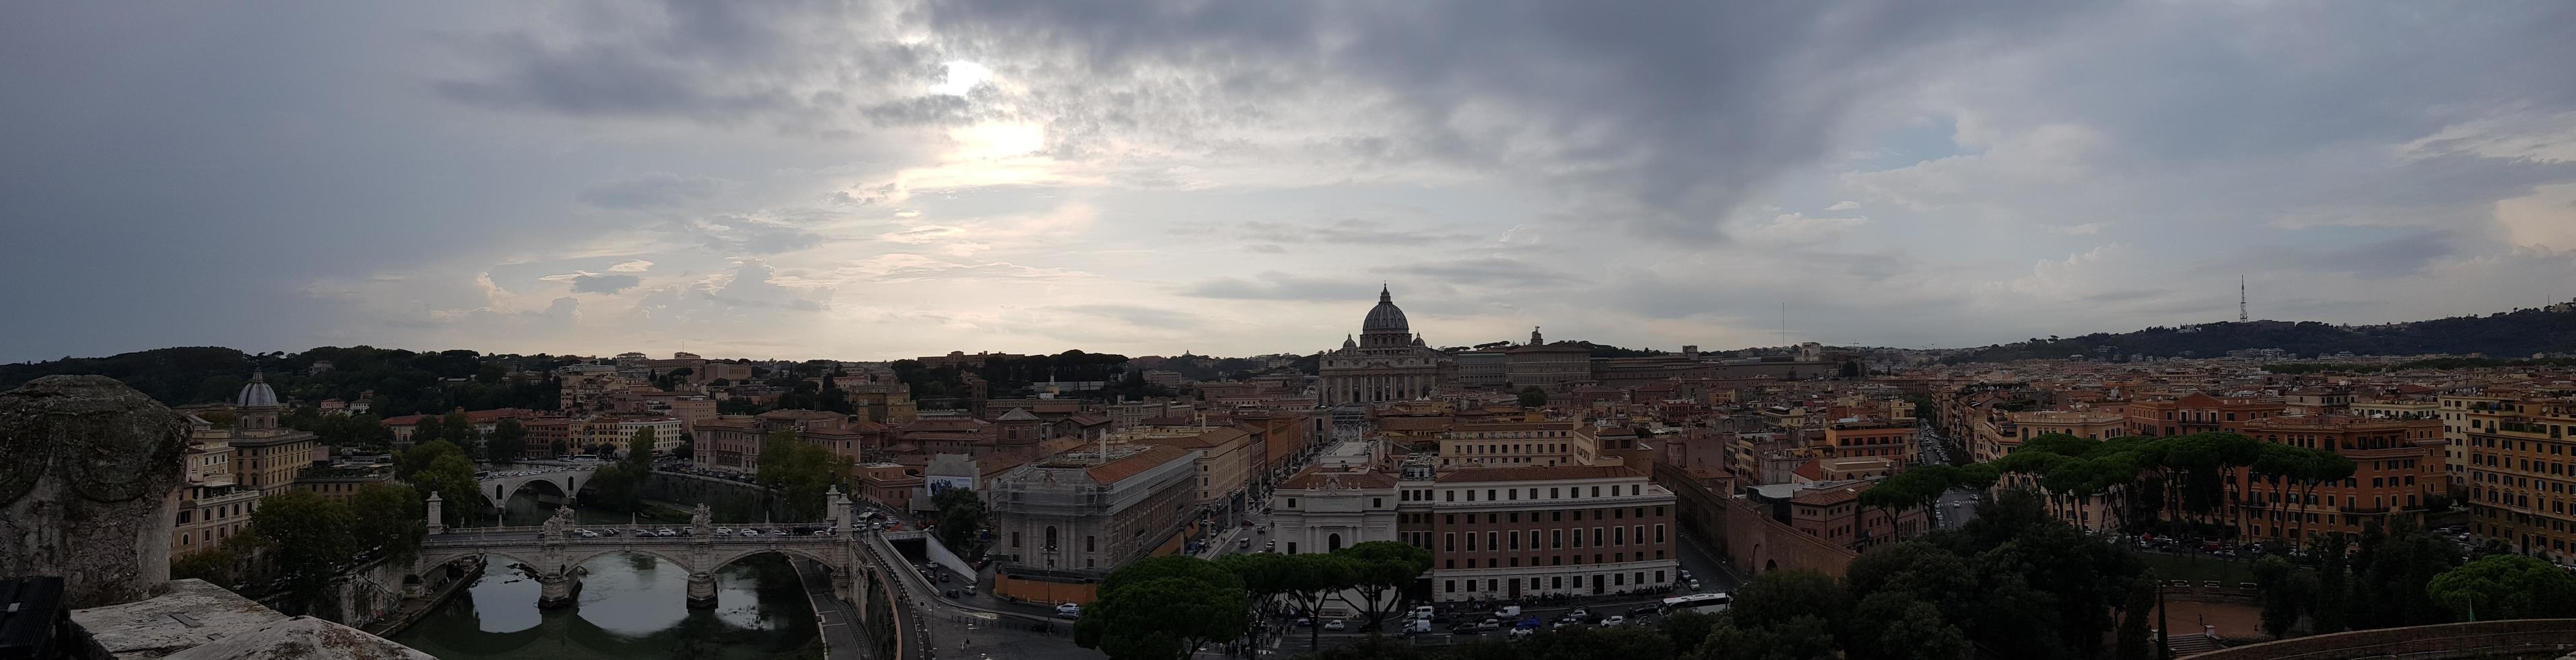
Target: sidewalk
x=833 y=619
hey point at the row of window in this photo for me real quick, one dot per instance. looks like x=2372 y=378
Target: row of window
x=1554 y=582
x=1496 y=540
x=1509 y=494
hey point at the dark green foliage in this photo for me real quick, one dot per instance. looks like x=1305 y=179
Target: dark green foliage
x=2390 y=573
x=2286 y=593
x=509 y=440
x=307 y=540
x=617 y=487
x=442 y=468
x=388 y=517
x=2134 y=640
x=802 y=472
x=2519 y=332
x=2506 y=587
x=1380 y=569
x=1533 y=396
x=961 y=514
x=404 y=382
x=1164 y=608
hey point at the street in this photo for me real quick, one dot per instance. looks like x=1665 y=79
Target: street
x=1958 y=505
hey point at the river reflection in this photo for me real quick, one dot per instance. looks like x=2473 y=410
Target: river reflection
x=631 y=606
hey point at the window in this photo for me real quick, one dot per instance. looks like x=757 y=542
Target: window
x=1090 y=543
x=1292 y=502
x=1015 y=539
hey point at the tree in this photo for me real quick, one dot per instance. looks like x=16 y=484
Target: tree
x=961 y=514
x=2285 y=593
x=617 y=487
x=1797 y=638
x=688 y=448
x=1533 y=396
x=308 y=540
x=639 y=448
x=1164 y=608
x=2332 y=583
x=451 y=475
x=387 y=518
x=1893 y=626
x=2133 y=638
x=1380 y=569
x=1307 y=579
x=801 y=471
x=2506 y=587
x=460 y=430
x=508 y=442
x=427 y=430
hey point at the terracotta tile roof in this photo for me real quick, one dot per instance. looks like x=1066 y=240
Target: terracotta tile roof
x=1810 y=470
x=1831 y=496
x=1135 y=464
x=1536 y=473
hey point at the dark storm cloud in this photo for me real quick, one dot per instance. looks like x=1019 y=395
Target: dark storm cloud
x=1490 y=272
x=604 y=283
x=1668 y=113
x=2388 y=257
x=651 y=189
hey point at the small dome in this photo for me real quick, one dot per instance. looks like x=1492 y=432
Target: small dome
x=1385 y=318
x=257 y=394
x=1348 y=343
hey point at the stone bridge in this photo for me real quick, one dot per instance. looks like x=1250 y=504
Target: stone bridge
x=566 y=479
x=556 y=554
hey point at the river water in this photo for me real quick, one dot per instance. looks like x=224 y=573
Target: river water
x=632 y=606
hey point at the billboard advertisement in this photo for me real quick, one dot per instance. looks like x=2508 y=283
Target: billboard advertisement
x=939 y=483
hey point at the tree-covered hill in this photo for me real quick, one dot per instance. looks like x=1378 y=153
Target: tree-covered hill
x=404 y=382
x=2514 y=334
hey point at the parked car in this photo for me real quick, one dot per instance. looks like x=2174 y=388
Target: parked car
x=1068 y=608
x=1614 y=620
x=666 y=531
x=1335 y=624
x=584 y=533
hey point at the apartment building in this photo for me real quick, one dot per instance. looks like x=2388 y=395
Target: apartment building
x=1519 y=444
x=2398 y=471
x=1510 y=532
x=2521 y=471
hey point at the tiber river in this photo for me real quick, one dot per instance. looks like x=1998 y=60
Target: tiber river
x=632 y=607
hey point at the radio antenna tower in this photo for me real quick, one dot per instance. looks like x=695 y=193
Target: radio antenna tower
x=2240 y=299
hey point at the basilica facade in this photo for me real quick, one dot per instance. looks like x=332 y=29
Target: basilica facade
x=1387 y=362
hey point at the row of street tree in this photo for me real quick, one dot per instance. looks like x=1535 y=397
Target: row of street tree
x=1172 y=606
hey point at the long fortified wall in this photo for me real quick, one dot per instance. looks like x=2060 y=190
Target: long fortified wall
x=1747 y=536
x=2519 y=639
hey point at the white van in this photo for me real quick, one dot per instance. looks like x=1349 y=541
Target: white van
x=1508 y=612
x=1422 y=612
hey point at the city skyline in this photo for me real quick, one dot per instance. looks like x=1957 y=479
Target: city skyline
x=891 y=180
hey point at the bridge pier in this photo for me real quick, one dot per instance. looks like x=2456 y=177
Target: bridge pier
x=702 y=590
x=561 y=589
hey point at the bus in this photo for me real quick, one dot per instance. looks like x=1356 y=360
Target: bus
x=1701 y=603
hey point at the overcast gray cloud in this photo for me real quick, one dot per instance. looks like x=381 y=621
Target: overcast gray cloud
x=1144 y=177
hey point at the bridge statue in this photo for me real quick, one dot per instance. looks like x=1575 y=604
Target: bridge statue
x=557 y=525
x=700 y=521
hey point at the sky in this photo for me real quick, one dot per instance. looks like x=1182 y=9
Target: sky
x=888 y=179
